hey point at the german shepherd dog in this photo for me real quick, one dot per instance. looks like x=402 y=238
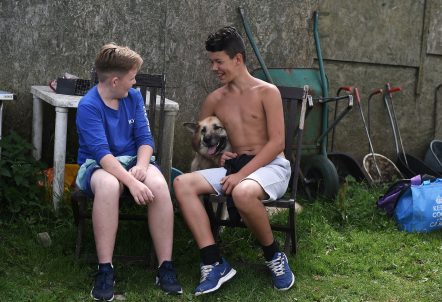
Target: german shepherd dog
x=209 y=142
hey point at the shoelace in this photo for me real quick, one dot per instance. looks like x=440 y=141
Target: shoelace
x=205 y=270
x=277 y=266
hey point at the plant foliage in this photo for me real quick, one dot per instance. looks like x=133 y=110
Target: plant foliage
x=20 y=176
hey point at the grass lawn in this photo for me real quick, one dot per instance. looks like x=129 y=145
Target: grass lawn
x=348 y=251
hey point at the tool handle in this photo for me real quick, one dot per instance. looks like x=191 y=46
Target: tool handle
x=377 y=91
x=345 y=88
x=356 y=95
x=391 y=90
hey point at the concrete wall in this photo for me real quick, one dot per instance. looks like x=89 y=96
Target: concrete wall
x=369 y=43
x=43 y=39
x=364 y=43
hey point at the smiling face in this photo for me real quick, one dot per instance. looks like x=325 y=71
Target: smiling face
x=224 y=67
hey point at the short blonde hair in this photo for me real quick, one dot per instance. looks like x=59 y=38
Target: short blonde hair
x=118 y=59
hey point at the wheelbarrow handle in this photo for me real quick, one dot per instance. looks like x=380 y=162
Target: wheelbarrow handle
x=323 y=100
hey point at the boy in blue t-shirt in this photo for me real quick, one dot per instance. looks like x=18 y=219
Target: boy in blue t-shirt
x=116 y=146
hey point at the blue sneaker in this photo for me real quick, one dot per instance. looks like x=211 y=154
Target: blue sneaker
x=213 y=276
x=167 y=280
x=104 y=283
x=282 y=276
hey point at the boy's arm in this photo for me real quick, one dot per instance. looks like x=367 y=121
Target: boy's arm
x=143 y=138
x=272 y=104
x=208 y=106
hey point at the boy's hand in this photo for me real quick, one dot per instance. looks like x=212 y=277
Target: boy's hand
x=141 y=193
x=225 y=156
x=139 y=173
x=229 y=182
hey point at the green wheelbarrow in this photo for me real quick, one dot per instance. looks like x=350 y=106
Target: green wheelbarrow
x=319 y=176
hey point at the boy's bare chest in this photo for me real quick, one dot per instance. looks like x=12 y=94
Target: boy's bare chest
x=236 y=111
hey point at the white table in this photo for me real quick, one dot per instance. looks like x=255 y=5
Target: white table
x=4 y=96
x=62 y=103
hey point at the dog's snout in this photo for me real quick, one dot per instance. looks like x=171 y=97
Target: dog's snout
x=207 y=139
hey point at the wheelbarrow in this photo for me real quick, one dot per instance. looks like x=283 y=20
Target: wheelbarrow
x=318 y=174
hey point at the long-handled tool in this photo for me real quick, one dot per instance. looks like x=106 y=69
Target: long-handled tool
x=370 y=144
x=386 y=170
x=245 y=22
x=408 y=164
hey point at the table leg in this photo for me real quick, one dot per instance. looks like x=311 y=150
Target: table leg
x=61 y=121
x=1 y=123
x=37 y=126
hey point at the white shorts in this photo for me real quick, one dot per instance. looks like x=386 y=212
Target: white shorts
x=273 y=178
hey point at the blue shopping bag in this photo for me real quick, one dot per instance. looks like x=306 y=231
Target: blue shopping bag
x=419 y=209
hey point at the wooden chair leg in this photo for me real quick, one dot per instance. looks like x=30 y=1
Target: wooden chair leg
x=80 y=231
x=81 y=204
x=292 y=226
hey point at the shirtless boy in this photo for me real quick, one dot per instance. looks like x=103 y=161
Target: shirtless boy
x=251 y=111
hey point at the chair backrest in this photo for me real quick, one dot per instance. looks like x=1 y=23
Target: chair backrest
x=153 y=89
x=291 y=97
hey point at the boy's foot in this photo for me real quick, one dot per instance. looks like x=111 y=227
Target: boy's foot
x=282 y=276
x=167 y=280
x=104 y=283
x=213 y=276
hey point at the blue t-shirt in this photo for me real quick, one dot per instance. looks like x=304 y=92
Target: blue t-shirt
x=103 y=130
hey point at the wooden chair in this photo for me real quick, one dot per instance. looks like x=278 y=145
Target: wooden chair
x=153 y=86
x=295 y=103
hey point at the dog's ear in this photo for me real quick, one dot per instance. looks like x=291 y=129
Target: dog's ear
x=192 y=127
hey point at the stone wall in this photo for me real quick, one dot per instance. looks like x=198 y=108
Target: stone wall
x=369 y=43
x=364 y=43
x=43 y=39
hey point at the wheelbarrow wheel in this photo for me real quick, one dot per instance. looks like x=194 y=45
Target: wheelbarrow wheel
x=320 y=178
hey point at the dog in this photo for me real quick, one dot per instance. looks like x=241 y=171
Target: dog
x=209 y=142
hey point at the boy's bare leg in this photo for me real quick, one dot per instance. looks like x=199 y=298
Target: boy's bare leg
x=107 y=190
x=187 y=188
x=248 y=196
x=160 y=214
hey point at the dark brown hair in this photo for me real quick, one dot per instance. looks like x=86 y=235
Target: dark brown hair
x=226 y=39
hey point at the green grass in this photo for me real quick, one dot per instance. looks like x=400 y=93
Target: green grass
x=347 y=251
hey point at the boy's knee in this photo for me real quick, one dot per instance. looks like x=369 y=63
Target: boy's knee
x=243 y=193
x=181 y=182
x=107 y=183
x=158 y=183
